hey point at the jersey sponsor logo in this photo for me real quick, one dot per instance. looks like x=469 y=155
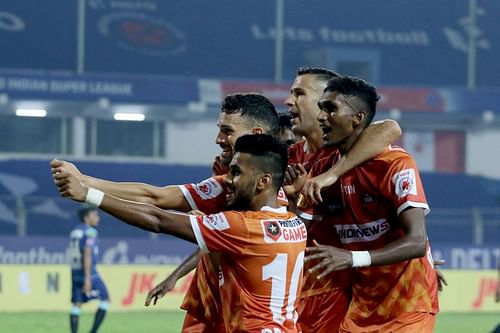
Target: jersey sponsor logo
x=367 y=232
x=284 y=231
x=216 y=222
x=405 y=183
x=208 y=189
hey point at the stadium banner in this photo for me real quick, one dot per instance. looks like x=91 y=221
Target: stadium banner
x=467 y=257
x=469 y=291
x=91 y=87
x=181 y=91
x=48 y=287
x=38 y=37
x=405 y=99
x=191 y=37
x=123 y=251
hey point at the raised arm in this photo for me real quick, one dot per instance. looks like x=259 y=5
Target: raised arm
x=141 y=215
x=371 y=142
x=411 y=245
x=168 y=197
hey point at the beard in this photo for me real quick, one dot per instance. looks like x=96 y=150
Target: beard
x=240 y=203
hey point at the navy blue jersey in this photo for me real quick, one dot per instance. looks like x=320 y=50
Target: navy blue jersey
x=83 y=236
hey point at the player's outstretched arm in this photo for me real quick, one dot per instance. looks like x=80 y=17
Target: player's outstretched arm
x=141 y=215
x=168 y=284
x=411 y=245
x=372 y=141
x=168 y=197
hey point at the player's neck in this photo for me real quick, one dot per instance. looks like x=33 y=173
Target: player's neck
x=314 y=142
x=264 y=199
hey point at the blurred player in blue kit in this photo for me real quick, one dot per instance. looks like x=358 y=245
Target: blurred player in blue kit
x=86 y=282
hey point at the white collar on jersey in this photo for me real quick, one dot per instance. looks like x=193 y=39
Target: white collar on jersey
x=281 y=210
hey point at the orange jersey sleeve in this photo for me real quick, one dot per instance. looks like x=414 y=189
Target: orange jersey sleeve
x=372 y=196
x=209 y=195
x=261 y=266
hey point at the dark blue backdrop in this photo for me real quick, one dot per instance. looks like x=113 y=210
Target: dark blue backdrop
x=408 y=42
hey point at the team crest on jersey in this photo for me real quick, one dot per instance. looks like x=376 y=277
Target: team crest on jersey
x=405 y=183
x=273 y=229
x=208 y=189
x=284 y=231
x=216 y=222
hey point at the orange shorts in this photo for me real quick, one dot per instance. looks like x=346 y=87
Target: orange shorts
x=194 y=325
x=323 y=312
x=412 y=322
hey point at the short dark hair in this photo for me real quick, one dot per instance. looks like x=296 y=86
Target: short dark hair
x=84 y=211
x=255 y=107
x=322 y=74
x=271 y=155
x=363 y=91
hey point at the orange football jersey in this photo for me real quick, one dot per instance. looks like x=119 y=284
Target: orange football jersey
x=363 y=206
x=261 y=260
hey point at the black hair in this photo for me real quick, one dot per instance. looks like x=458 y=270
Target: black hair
x=363 y=91
x=322 y=74
x=84 y=211
x=271 y=155
x=255 y=107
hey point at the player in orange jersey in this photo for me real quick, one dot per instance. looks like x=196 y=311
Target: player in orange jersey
x=377 y=210
x=240 y=114
x=261 y=245
x=324 y=302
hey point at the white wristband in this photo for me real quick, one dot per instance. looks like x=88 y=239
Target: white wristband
x=361 y=258
x=94 y=197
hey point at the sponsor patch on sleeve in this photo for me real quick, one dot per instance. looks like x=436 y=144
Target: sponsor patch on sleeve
x=405 y=183
x=208 y=189
x=216 y=222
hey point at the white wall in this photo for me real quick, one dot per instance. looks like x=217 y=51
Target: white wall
x=191 y=143
x=483 y=153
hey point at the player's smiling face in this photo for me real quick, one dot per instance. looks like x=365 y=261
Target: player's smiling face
x=231 y=127
x=240 y=182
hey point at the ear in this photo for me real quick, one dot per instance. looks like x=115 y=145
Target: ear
x=358 y=118
x=257 y=130
x=265 y=180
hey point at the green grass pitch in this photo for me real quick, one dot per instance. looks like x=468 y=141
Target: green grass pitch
x=170 y=322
